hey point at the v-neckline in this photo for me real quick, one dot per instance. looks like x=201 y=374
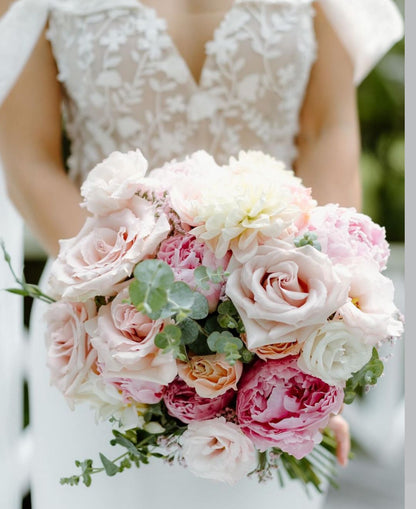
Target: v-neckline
x=197 y=83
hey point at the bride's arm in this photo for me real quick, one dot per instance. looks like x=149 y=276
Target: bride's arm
x=30 y=149
x=329 y=138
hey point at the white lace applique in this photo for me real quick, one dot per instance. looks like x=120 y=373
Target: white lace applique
x=126 y=84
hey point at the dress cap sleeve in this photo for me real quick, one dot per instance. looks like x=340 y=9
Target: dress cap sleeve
x=20 y=28
x=367 y=28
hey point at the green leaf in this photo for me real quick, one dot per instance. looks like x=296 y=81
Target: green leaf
x=147 y=299
x=227 y=322
x=17 y=291
x=201 y=277
x=181 y=295
x=366 y=376
x=168 y=338
x=120 y=439
x=227 y=308
x=199 y=308
x=154 y=273
x=190 y=331
x=109 y=466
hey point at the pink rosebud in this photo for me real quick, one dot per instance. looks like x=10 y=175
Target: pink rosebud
x=184 y=403
x=279 y=406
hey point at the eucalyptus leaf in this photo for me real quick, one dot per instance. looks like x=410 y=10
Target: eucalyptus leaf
x=109 y=466
x=200 y=308
x=190 y=331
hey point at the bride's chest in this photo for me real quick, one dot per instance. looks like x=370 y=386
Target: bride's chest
x=121 y=41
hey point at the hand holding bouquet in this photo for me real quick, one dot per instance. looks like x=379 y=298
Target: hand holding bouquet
x=217 y=315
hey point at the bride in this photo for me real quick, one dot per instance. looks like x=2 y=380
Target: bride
x=171 y=78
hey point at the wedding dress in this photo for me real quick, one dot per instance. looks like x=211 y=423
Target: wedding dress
x=126 y=85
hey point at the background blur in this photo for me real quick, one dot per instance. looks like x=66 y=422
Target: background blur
x=374 y=479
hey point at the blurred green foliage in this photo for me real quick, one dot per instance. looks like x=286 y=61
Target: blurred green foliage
x=381 y=109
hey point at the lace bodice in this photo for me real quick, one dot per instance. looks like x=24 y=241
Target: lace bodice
x=126 y=84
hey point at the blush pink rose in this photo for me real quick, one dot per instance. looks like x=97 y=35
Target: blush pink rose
x=184 y=253
x=219 y=450
x=344 y=233
x=279 y=406
x=284 y=293
x=106 y=251
x=138 y=391
x=370 y=311
x=184 y=404
x=210 y=375
x=124 y=341
x=70 y=355
x=113 y=182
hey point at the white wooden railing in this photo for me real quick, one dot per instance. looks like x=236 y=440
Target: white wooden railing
x=15 y=443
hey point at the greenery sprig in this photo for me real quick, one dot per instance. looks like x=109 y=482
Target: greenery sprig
x=362 y=379
x=26 y=289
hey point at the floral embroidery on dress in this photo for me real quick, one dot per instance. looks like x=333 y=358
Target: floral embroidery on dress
x=126 y=85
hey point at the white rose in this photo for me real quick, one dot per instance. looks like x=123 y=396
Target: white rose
x=219 y=450
x=334 y=353
x=107 y=401
x=113 y=182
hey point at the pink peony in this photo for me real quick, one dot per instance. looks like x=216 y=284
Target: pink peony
x=69 y=351
x=284 y=293
x=279 y=406
x=217 y=449
x=106 y=251
x=344 y=233
x=184 y=253
x=124 y=341
x=184 y=403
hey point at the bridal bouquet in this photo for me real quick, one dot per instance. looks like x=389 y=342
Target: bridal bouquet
x=217 y=315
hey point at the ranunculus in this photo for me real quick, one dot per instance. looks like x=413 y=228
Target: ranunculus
x=345 y=233
x=279 y=406
x=124 y=340
x=138 y=391
x=184 y=403
x=285 y=293
x=334 y=353
x=106 y=251
x=278 y=350
x=113 y=182
x=184 y=253
x=370 y=311
x=70 y=355
x=210 y=375
x=219 y=450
